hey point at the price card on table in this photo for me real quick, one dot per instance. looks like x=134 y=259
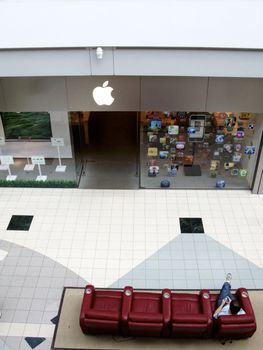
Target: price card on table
x=38 y=160
x=57 y=141
x=7 y=160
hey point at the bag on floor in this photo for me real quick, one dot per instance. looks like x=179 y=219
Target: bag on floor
x=165 y=183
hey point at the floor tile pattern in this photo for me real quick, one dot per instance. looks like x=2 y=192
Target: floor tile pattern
x=20 y=222
x=191 y=225
x=34 y=341
x=114 y=238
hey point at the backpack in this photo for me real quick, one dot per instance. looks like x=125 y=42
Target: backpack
x=165 y=183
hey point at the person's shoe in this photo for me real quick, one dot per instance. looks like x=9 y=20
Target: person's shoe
x=228 y=277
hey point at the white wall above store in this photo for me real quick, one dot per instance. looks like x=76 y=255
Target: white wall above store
x=131 y=23
x=132 y=62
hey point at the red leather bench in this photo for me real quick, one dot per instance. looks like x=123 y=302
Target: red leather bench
x=235 y=326
x=146 y=313
x=101 y=311
x=191 y=315
x=163 y=313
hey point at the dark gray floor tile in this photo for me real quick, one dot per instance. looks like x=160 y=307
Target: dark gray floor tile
x=191 y=225
x=55 y=319
x=34 y=341
x=20 y=222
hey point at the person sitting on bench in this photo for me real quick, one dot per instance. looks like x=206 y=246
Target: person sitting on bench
x=226 y=302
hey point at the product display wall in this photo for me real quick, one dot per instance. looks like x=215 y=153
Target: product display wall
x=196 y=150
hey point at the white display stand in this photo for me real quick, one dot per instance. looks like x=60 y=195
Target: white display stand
x=28 y=166
x=41 y=177
x=58 y=142
x=2 y=143
x=39 y=160
x=11 y=177
x=5 y=162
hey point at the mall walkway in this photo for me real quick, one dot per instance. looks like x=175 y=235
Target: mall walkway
x=115 y=238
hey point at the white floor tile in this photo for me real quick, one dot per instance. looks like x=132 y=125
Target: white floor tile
x=132 y=237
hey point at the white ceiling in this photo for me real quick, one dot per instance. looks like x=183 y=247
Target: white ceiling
x=131 y=23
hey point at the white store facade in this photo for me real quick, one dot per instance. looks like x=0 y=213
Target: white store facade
x=193 y=56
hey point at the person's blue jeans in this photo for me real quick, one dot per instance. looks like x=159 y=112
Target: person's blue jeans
x=225 y=292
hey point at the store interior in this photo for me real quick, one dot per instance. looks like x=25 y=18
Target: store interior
x=106 y=144
x=129 y=150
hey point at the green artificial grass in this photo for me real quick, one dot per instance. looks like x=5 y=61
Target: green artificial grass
x=42 y=184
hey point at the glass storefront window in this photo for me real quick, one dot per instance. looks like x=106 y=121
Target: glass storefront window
x=36 y=147
x=195 y=150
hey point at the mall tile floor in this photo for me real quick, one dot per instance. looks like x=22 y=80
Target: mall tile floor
x=113 y=238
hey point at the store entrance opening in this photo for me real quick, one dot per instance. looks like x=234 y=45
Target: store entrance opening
x=109 y=150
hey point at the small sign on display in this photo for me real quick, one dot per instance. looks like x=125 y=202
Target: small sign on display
x=38 y=160
x=57 y=141
x=7 y=160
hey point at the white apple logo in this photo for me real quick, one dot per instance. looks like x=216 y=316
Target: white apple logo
x=102 y=94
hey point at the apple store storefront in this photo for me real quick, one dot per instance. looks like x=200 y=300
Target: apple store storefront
x=132 y=132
